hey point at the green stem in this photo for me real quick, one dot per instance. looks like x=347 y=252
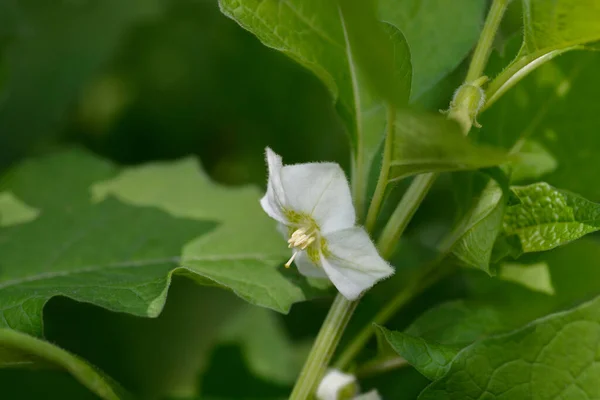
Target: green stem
x=518 y=70
x=413 y=197
x=380 y=318
x=359 y=188
x=382 y=182
x=404 y=212
x=327 y=340
x=484 y=45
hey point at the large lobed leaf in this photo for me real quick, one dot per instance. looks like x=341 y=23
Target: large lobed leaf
x=120 y=250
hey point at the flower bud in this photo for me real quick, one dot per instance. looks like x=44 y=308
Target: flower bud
x=466 y=103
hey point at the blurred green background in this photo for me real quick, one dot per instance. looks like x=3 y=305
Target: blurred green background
x=142 y=80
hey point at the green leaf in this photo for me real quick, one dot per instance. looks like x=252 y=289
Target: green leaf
x=18 y=350
x=439 y=37
x=315 y=34
x=377 y=57
x=425 y=142
x=13 y=211
x=545 y=217
x=430 y=359
x=268 y=351
x=554 y=357
x=550 y=29
x=534 y=161
x=46 y=71
x=240 y=254
x=473 y=241
x=120 y=253
x=559 y=24
x=533 y=276
x=457 y=323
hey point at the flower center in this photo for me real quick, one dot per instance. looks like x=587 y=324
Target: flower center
x=300 y=239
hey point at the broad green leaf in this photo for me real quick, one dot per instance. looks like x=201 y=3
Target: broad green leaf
x=534 y=276
x=545 y=217
x=268 y=351
x=120 y=254
x=314 y=34
x=534 y=161
x=473 y=241
x=457 y=323
x=425 y=142
x=430 y=359
x=240 y=254
x=13 y=211
x=18 y=350
x=439 y=37
x=554 y=357
x=55 y=51
x=550 y=29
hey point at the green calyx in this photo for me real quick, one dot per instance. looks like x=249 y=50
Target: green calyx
x=466 y=103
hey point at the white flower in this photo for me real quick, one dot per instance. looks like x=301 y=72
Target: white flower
x=337 y=385
x=313 y=205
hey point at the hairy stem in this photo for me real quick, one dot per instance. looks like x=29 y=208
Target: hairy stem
x=484 y=45
x=327 y=340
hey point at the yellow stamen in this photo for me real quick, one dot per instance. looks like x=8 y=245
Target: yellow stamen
x=291 y=260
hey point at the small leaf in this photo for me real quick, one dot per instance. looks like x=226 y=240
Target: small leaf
x=425 y=142
x=534 y=276
x=473 y=241
x=554 y=357
x=440 y=37
x=534 y=161
x=430 y=359
x=21 y=350
x=546 y=217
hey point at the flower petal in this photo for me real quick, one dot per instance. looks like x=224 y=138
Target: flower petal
x=273 y=202
x=352 y=262
x=334 y=382
x=307 y=268
x=320 y=190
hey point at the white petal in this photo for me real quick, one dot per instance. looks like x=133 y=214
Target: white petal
x=372 y=395
x=307 y=268
x=320 y=190
x=273 y=202
x=333 y=383
x=352 y=262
